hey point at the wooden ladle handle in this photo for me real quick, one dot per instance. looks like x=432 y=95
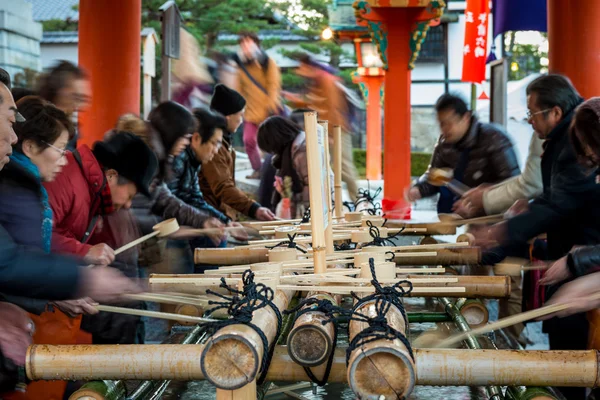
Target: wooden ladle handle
x=164 y=228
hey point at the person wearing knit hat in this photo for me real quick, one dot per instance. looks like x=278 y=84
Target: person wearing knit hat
x=217 y=176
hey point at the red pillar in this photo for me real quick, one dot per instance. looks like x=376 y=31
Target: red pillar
x=373 y=84
x=574 y=43
x=109 y=51
x=396 y=153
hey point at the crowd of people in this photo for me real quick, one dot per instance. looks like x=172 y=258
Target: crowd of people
x=65 y=208
x=555 y=195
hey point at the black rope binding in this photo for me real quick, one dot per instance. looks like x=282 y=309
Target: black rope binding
x=344 y=246
x=365 y=196
x=306 y=216
x=376 y=235
x=329 y=309
x=289 y=243
x=241 y=305
x=384 y=297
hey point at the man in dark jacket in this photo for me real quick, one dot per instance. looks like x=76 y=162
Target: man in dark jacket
x=567 y=210
x=217 y=177
x=477 y=152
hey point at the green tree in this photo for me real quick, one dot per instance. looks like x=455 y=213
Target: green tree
x=205 y=19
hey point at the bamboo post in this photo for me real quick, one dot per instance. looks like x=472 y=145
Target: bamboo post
x=337 y=170
x=381 y=367
x=231 y=255
x=317 y=179
x=232 y=356
x=327 y=187
x=247 y=392
x=310 y=342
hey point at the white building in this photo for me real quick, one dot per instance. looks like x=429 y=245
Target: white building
x=19 y=39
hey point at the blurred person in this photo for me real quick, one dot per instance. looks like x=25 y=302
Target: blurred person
x=567 y=204
x=287 y=142
x=19 y=93
x=192 y=86
x=204 y=145
x=217 y=177
x=488 y=199
x=96 y=182
x=25 y=213
x=68 y=88
x=29 y=271
x=326 y=96
x=477 y=152
x=259 y=82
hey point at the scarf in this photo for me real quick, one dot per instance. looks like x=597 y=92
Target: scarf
x=24 y=162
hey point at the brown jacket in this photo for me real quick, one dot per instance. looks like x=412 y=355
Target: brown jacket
x=492 y=158
x=260 y=105
x=217 y=182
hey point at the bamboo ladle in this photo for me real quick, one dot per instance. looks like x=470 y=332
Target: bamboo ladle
x=445 y=177
x=164 y=228
x=456 y=219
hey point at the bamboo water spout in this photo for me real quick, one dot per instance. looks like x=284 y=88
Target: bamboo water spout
x=310 y=342
x=381 y=367
x=444 y=256
x=233 y=355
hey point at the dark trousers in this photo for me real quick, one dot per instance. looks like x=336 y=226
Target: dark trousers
x=569 y=333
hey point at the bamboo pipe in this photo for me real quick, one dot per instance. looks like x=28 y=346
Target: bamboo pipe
x=477 y=286
x=337 y=170
x=164 y=228
x=456 y=367
x=310 y=343
x=233 y=355
x=231 y=256
x=381 y=367
x=425 y=291
x=444 y=256
x=455 y=219
x=438 y=367
x=473 y=311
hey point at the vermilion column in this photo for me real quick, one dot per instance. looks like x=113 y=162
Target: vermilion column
x=574 y=43
x=109 y=51
x=396 y=153
x=373 y=84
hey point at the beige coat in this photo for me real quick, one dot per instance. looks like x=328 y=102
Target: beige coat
x=260 y=105
x=528 y=185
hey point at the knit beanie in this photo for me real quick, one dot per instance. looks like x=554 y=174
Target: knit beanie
x=227 y=101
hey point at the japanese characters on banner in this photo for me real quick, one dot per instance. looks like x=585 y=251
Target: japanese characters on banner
x=477 y=15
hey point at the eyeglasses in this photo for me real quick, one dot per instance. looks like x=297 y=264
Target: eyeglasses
x=530 y=114
x=63 y=152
